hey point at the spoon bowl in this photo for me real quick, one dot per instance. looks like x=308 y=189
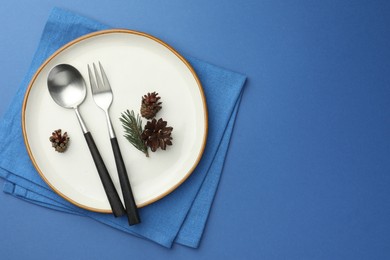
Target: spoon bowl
x=66 y=86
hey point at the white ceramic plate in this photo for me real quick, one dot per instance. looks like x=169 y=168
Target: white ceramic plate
x=135 y=63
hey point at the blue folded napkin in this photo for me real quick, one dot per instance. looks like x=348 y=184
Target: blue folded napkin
x=181 y=216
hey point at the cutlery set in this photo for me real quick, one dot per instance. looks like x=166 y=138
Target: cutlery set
x=68 y=89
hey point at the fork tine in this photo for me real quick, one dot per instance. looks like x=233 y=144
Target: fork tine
x=104 y=76
x=92 y=81
x=98 y=79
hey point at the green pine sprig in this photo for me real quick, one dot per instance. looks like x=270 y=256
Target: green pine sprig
x=133 y=130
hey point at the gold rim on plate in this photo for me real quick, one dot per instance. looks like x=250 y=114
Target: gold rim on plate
x=87 y=36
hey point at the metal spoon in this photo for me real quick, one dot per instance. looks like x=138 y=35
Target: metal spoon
x=67 y=88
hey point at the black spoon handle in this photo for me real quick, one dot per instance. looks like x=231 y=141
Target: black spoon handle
x=131 y=207
x=112 y=195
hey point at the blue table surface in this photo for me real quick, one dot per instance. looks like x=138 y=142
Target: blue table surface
x=307 y=175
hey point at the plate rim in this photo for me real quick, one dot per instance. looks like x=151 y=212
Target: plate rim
x=91 y=35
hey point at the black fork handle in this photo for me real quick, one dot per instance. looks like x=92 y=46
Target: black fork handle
x=131 y=207
x=108 y=185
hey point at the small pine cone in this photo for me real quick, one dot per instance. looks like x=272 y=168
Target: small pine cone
x=157 y=135
x=150 y=105
x=59 y=141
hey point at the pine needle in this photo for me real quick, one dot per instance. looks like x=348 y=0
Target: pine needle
x=133 y=130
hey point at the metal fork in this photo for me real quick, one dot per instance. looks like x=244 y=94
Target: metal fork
x=102 y=94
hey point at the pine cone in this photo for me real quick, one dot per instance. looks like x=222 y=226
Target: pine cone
x=150 y=105
x=59 y=141
x=156 y=134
